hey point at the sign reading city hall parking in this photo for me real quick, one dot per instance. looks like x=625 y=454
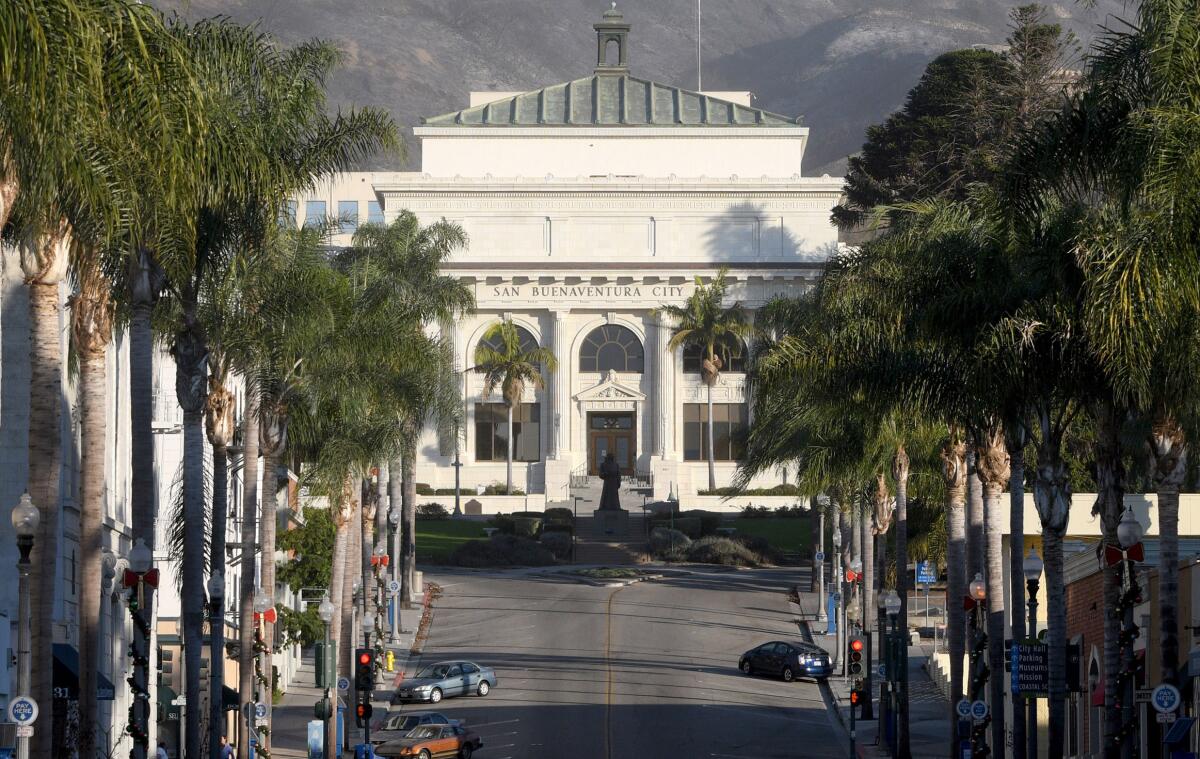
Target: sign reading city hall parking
x=1030 y=669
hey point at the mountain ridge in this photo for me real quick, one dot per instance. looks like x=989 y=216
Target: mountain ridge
x=840 y=66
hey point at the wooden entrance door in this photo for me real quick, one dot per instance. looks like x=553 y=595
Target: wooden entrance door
x=612 y=432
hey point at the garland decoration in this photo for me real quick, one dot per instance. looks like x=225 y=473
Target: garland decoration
x=260 y=647
x=141 y=696
x=1129 y=599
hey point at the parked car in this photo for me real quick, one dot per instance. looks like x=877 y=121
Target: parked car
x=433 y=742
x=788 y=660
x=396 y=724
x=446 y=679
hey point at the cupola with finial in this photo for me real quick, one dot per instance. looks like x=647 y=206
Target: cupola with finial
x=612 y=32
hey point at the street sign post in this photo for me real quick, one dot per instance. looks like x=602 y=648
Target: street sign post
x=963 y=707
x=979 y=711
x=23 y=710
x=926 y=573
x=820 y=556
x=343 y=684
x=1030 y=664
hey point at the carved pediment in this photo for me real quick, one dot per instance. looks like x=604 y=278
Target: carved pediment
x=610 y=389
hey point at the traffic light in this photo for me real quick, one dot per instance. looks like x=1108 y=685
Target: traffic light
x=364 y=669
x=362 y=714
x=855 y=657
x=858 y=695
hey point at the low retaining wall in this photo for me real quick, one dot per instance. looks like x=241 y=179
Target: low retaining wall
x=736 y=503
x=474 y=505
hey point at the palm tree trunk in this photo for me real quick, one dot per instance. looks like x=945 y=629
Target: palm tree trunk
x=992 y=465
x=367 y=518
x=975 y=533
x=1110 y=497
x=91 y=513
x=712 y=452
x=408 y=542
x=1052 y=492
x=900 y=472
x=954 y=473
x=218 y=424
x=191 y=378
x=351 y=569
x=91 y=326
x=396 y=501
x=274 y=443
x=1016 y=565
x=1168 y=449
x=249 y=545
x=336 y=582
x=145 y=281
x=508 y=453
x=44 y=263
x=868 y=578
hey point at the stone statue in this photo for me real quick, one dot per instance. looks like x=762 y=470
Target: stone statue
x=610 y=497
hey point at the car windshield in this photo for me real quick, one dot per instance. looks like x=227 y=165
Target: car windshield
x=425 y=731
x=403 y=722
x=434 y=671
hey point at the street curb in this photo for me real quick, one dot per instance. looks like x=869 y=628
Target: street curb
x=832 y=709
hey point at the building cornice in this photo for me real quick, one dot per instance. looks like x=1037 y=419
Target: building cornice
x=616 y=131
x=610 y=186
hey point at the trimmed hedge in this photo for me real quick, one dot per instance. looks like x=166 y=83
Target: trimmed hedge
x=559 y=543
x=502 y=551
x=777 y=490
x=432 y=511
x=696 y=523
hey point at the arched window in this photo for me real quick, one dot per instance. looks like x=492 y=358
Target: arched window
x=611 y=347
x=528 y=341
x=732 y=359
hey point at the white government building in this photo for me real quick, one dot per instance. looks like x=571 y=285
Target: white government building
x=588 y=204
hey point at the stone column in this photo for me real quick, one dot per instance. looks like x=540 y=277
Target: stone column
x=561 y=382
x=664 y=391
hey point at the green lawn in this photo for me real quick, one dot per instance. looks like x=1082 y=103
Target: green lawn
x=785 y=534
x=436 y=538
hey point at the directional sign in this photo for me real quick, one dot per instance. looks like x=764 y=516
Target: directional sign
x=260 y=710
x=1030 y=665
x=837 y=597
x=23 y=710
x=343 y=685
x=820 y=556
x=926 y=573
x=1165 y=698
x=979 y=711
x=963 y=707
x=1142 y=695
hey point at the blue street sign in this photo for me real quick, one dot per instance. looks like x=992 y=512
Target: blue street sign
x=23 y=710
x=820 y=556
x=926 y=573
x=979 y=711
x=1179 y=730
x=1165 y=698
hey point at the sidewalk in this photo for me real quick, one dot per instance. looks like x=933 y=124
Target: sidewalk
x=928 y=709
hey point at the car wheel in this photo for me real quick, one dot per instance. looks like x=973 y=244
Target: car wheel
x=435 y=695
x=424 y=754
x=745 y=667
x=788 y=675
x=465 y=752
x=484 y=688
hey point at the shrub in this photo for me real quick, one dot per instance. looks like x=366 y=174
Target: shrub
x=794 y=511
x=559 y=543
x=432 y=511
x=498 y=488
x=714 y=550
x=690 y=526
x=666 y=543
x=762 y=547
x=504 y=523
x=755 y=512
x=695 y=522
x=502 y=551
x=559 y=515
x=424 y=489
x=527 y=525
x=776 y=490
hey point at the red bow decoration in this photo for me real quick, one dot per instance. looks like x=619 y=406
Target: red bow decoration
x=1113 y=555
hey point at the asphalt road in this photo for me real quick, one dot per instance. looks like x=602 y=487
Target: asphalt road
x=647 y=671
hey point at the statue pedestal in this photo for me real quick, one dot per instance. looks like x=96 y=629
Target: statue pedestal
x=613 y=522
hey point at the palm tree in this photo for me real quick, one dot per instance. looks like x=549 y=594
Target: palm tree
x=705 y=323
x=511 y=368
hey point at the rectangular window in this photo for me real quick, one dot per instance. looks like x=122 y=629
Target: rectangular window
x=374 y=212
x=348 y=216
x=491 y=432
x=314 y=212
x=729 y=426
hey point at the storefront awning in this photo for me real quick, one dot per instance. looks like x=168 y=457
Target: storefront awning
x=66 y=676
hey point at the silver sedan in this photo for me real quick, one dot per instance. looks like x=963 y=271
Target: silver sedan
x=446 y=679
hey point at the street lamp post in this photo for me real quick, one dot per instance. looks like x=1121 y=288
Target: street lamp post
x=836 y=564
x=1033 y=572
x=394 y=599
x=1129 y=536
x=819 y=566
x=216 y=639
x=25 y=520
x=326 y=611
x=262 y=605
x=863 y=591
x=979 y=667
x=891 y=607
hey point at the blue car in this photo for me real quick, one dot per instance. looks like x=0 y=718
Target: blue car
x=445 y=680
x=787 y=660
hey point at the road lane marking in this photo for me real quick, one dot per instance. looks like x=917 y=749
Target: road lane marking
x=608 y=667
